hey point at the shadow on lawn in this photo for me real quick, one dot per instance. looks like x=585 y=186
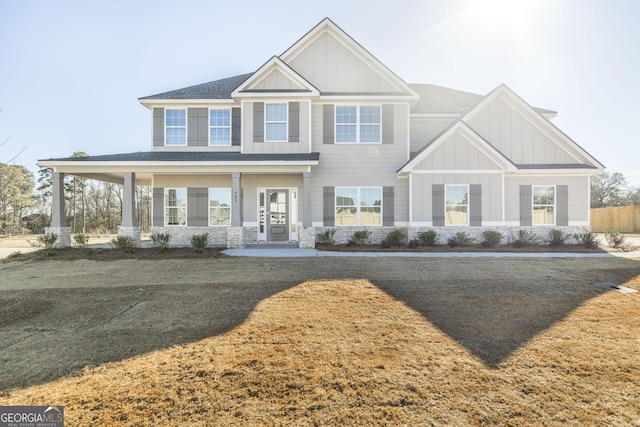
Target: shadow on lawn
x=491 y=307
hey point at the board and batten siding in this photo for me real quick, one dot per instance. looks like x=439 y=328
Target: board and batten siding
x=490 y=188
x=276 y=80
x=577 y=193
x=514 y=135
x=424 y=129
x=298 y=137
x=361 y=165
x=457 y=153
x=332 y=67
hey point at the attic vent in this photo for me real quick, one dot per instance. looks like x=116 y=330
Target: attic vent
x=614 y=287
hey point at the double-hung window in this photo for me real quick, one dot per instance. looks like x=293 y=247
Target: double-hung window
x=219 y=126
x=176 y=126
x=276 y=123
x=219 y=206
x=358 y=206
x=358 y=124
x=175 y=206
x=456 y=204
x=544 y=205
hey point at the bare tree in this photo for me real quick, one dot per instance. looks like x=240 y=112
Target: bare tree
x=607 y=189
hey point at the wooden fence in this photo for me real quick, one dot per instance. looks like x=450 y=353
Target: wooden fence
x=625 y=219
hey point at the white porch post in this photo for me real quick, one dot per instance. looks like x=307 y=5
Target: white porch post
x=306 y=235
x=129 y=226
x=58 y=217
x=235 y=233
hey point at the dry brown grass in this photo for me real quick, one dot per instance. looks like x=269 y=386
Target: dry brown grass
x=344 y=352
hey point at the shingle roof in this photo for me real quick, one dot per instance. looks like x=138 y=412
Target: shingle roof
x=193 y=156
x=218 y=89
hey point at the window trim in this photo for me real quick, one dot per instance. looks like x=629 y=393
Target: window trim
x=468 y=205
x=285 y=122
x=186 y=131
x=209 y=207
x=220 y=127
x=186 y=206
x=533 y=205
x=358 y=206
x=358 y=124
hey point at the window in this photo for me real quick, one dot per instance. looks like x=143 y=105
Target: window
x=544 y=205
x=219 y=206
x=358 y=206
x=175 y=206
x=219 y=126
x=456 y=204
x=276 y=122
x=176 y=126
x=358 y=124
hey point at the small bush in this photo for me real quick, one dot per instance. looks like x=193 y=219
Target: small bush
x=124 y=244
x=14 y=255
x=49 y=242
x=557 y=237
x=460 y=239
x=384 y=244
x=524 y=238
x=326 y=238
x=587 y=239
x=397 y=237
x=81 y=240
x=615 y=239
x=360 y=237
x=428 y=238
x=199 y=242
x=160 y=241
x=491 y=238
x=413 y=243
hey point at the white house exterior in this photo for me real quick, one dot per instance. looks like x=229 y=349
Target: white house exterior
x=326 y=136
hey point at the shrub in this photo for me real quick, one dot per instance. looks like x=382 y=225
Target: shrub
x=124 y=244
x=14 y=255
x=428 y=238
x=588 y=239
x=81 y=240
x=413 y=243
x=199 y=242
x=49 y=242
x=524 y=238
x=491 y=238
x=326 y=238
x=160 y=241
x=384 y=244
x=397 y=237
x=615 y=239
x=460 y=239
x=360 y=237
x=557 y=237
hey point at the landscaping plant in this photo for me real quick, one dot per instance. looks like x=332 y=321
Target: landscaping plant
x=326 y=238
x=615 y=239
x=48 y=240
x=199 y=242
x=557 y=237
x=124 y=244
x=396 y=237
x=80 y=240
x=588 y=239
x=360 y=237
x=524 y=238
x=460 y=239
x=428 y=238
x=491 y=238
x=160 y=241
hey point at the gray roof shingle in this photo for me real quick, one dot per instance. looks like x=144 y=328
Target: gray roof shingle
x=218 y=89
x=193 y=156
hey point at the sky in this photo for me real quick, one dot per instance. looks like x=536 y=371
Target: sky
x=72 y=71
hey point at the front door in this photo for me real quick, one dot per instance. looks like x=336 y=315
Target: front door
x=277 y=215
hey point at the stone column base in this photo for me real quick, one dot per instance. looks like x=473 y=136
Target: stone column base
x=133 y=232
x=307 y=237
x=64 y=235
x=235 y=238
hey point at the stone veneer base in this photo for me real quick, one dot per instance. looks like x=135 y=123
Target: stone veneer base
x=64 y=235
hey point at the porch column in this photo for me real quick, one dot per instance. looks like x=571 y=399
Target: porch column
x=306 y=189
x=235 y=233
x=129 y=226
x=58 y=217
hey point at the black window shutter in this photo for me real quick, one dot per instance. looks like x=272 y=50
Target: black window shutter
x=258 y=122
x=437 y=205
x=328 y=131
x=236 y=123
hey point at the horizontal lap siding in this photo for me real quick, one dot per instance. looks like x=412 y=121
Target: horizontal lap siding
x=362 y=165
x=578 y=194
x=251 y=183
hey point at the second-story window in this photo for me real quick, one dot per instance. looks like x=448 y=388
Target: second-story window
x=358 y=124
x=219 y=126
x=276 y=122
x=176 y=126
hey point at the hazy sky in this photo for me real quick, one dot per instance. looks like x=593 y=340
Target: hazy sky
x=72 y=71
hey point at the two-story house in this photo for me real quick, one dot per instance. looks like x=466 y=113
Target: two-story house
x=326 y=136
